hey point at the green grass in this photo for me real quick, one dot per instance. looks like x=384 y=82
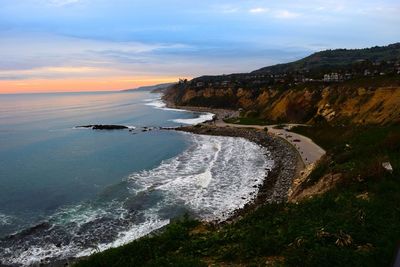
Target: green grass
x=357 y=152
x=310 y=233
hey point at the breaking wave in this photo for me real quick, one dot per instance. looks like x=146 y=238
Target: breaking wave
x=211 y=179
x=202 y=116
x=5 y=219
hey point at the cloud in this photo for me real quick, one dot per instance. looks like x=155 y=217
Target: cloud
x=127 y=37
x=258 y=10
x=55 y=57
x=53 y=72
x=62 y=2
x=230 y=10
x=225 y=8
x=286 y=14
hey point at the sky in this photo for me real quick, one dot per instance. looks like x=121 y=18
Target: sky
x=94 y=45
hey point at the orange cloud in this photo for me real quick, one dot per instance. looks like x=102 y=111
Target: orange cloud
x=80 y=85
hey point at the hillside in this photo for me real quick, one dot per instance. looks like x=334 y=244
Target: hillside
x=343 y=211
x=338 y=58
x=158 y=88
x=355 y=223
x=336 y=86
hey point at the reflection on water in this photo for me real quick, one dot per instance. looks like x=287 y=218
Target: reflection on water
x=45 y=164
x=74 y=191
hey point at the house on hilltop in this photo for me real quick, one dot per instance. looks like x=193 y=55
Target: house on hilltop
x=333 y=77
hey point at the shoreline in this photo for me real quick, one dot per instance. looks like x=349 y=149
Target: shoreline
x=276 y=184
x=220 y=113
x=308 y=150
x=288 y=162
x=277 y=181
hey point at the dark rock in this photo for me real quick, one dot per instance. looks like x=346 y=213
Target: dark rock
x=104 y=127
x=30 y=231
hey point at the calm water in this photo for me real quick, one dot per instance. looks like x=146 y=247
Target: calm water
x=66 y=192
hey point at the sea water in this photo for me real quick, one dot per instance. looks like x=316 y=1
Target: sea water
x=69 y=192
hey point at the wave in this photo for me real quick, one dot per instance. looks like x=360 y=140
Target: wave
x=159 y=104
x=202 y=116
x=78 y=231
x=5 y=219
x=211 y=179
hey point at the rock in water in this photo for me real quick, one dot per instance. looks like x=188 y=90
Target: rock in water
x=104 y=127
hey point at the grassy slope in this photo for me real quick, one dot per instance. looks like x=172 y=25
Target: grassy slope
x=336 y=229
x=338 y=57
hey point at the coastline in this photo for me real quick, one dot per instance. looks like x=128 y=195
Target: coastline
x=278 y=181
x=218 y=112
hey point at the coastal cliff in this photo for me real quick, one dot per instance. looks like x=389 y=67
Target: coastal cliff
x=333 y=104
x=341 y=211
x=336 y=86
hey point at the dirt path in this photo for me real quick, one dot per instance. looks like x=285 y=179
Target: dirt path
x=309 y=151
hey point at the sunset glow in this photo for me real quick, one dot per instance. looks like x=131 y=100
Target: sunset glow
x=82 y=45
x=77 y=85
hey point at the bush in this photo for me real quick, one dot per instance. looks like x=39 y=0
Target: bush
x=303 y=234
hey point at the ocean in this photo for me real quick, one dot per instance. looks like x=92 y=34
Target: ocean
x=69 y=192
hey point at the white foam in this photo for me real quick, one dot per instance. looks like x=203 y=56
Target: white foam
x=203 y=116
x=81 y=214
x=159 y=104
x=35 y=254
x=5 y=219
x=150 y=99
x=214 y=177
x=152 y=223
x=206 y=177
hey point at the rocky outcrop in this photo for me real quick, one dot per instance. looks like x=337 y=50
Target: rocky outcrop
x=300 y=191
x=342 y=86
x=104 y=127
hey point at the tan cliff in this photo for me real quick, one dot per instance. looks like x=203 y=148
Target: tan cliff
x=337 y=104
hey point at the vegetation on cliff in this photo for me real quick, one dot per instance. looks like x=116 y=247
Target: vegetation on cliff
x=339 y=86
x=354 y=224
x=339 y=59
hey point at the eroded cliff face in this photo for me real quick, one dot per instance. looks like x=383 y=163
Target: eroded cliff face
x=334 y=104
